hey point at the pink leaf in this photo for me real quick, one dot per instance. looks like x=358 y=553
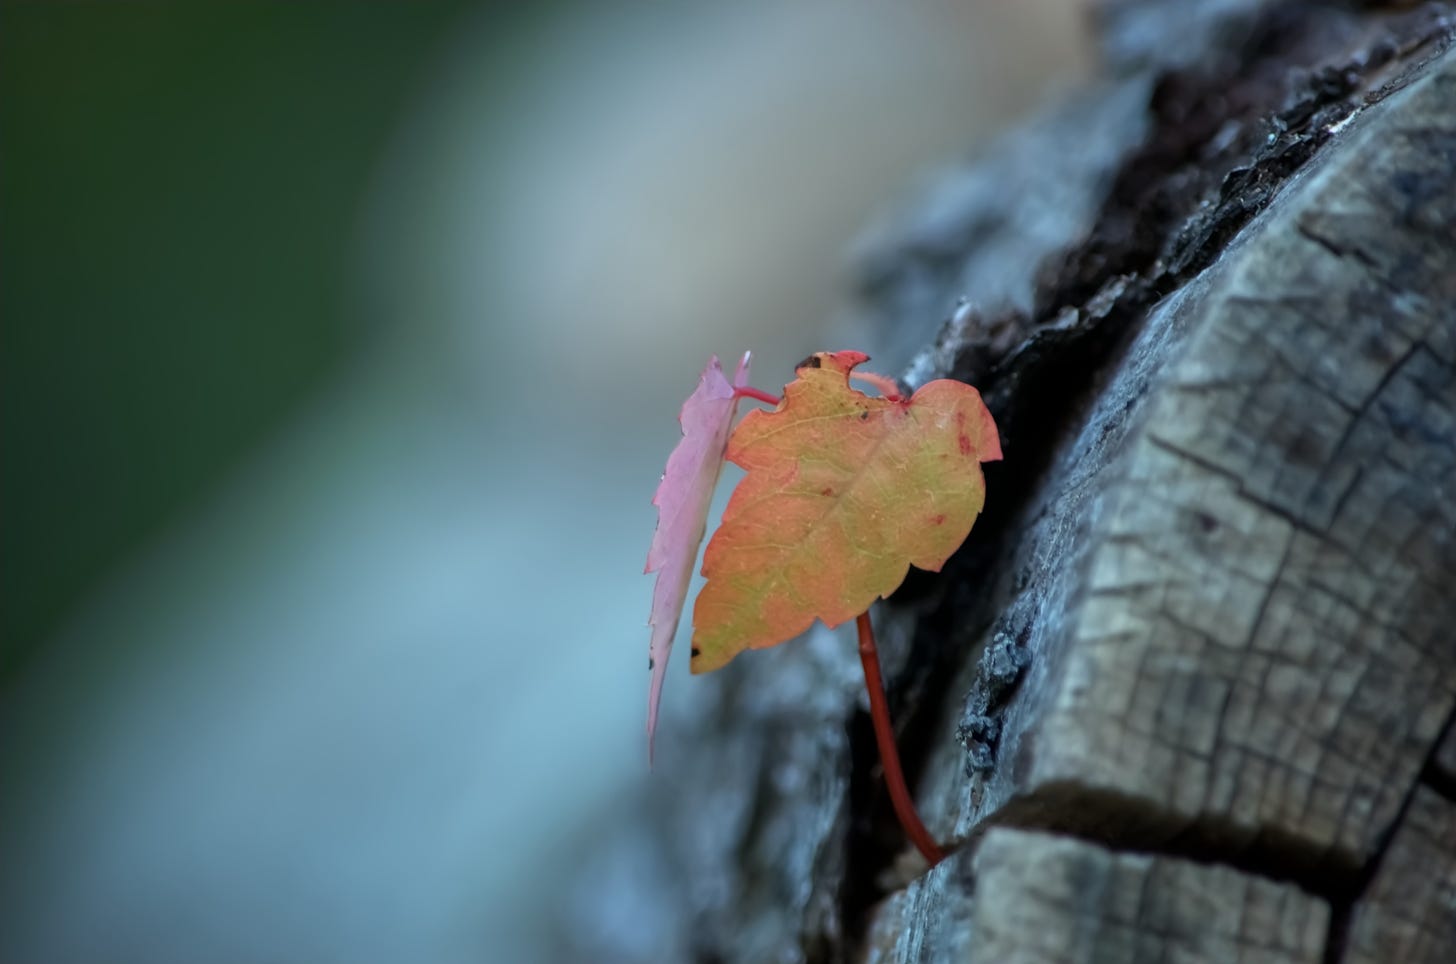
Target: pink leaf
x=682 y=502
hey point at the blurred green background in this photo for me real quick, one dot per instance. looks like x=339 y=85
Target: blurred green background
x=342 y=349
x=178 y=191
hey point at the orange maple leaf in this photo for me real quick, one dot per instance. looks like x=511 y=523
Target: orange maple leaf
x=843 y=493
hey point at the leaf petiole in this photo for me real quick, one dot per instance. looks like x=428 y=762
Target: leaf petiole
x=889 y=756
x=888 y=388
x=744 y=391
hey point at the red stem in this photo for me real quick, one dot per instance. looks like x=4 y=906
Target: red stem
x=889 y=756
x=887 y=387
x=753 y=393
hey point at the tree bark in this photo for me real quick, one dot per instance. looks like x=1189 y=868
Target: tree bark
x=1199 y=654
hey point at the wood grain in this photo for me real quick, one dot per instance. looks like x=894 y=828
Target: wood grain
x=1409 y=912
x=1043 y=898
x=1254 y=639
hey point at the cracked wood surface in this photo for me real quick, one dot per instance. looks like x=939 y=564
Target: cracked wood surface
x=1249 y=655
x=1207 y=629
x=1409 y=911
x=1263 y=641
x=1054 y=900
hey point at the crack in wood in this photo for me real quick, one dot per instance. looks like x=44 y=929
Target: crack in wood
x=1344 y=902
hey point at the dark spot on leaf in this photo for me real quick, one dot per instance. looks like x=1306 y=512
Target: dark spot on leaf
x=696 y=652
x=826 y=491
x=1207 y=522
x=965 y=445
x=811 y=362
x=864 y=414
x=651 y=664
x=936 y=520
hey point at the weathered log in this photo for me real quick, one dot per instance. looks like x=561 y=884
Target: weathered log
x=1057 y=900
x=1200 y=652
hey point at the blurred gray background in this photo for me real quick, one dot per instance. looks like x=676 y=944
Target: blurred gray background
x=342 y=350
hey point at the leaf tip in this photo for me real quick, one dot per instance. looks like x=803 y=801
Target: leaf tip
x=740 y=377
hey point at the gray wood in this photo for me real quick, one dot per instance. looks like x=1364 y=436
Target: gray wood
x=1043 y=899
x=1200 y=649
x=1444 y=762
x=1409 y=912
x=1240 y=609
x=1260 y=633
